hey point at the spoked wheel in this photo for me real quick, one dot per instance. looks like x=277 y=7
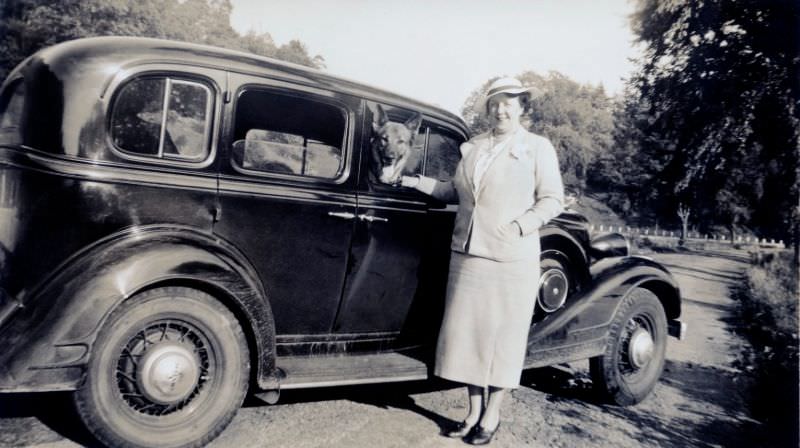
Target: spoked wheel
x=634 y=355
x=169 y=369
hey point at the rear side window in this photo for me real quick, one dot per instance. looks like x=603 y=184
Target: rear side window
x=285 y=133
x=164 y=118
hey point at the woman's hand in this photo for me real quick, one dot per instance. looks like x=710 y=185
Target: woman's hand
x=409 y=181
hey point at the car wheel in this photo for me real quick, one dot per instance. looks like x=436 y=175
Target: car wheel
x=634 y=355
x=169 y=368
x=555 y=281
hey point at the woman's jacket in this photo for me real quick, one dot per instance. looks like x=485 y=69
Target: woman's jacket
x=522 y=184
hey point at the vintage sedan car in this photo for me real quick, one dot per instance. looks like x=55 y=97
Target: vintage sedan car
x=181 y=225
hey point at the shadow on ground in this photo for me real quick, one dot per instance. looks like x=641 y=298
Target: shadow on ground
x=54 y=419
x=710 y=415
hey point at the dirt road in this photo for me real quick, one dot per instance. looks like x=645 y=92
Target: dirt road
x=699 y=402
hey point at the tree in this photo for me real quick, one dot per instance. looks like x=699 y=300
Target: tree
x=684 y=213
x=719 y=87
x=576 y=118
x=28 y=25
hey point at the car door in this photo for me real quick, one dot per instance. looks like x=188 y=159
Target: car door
x=287 y=198
x=395 y=288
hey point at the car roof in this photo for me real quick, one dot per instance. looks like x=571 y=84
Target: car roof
x=135 y=50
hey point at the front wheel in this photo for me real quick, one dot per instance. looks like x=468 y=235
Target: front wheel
x=634 y=356
x=169 y=368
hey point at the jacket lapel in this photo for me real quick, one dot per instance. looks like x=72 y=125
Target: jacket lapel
x=471 y=160
x=516 y=139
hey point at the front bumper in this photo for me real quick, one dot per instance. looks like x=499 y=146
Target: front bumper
x=677 y=329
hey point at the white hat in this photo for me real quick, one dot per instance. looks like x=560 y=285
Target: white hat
x=511 y=86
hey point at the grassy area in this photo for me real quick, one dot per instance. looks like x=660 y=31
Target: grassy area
x=768 y=309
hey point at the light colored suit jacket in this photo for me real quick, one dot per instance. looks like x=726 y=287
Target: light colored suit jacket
x=522 y=184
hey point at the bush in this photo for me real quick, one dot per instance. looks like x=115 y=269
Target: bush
x=768 y=309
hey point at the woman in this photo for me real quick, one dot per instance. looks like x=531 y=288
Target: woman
x=508 y=185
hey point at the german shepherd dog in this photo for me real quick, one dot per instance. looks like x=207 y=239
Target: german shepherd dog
x=393 y=153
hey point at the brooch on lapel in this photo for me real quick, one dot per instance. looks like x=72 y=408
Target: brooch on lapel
x=520 y=151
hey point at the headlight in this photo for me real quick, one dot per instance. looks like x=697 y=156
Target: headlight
x=610 y=245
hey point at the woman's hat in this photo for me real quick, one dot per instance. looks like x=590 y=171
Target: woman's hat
x=511 y=86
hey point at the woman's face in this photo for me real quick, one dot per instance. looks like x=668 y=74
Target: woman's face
x=504 y=112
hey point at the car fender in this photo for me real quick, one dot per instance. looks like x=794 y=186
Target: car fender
x=558 y=242
x=588 y=314
x=56 y=327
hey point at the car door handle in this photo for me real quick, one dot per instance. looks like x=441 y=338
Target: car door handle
x=370 y=218
x=343 y=215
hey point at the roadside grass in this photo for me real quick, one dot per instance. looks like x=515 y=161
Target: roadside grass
x=767 y=309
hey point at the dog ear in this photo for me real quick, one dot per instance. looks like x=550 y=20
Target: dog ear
x=382 y=119
x=414 y=122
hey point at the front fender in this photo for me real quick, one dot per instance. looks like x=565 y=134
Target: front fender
x=588 y=314
x=47 y=342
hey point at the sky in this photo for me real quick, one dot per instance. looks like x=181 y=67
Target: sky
x=439 y=51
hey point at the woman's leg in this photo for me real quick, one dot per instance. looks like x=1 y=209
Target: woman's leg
x=475 y=404
x=491 y=416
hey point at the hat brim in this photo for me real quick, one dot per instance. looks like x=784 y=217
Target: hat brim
x=531 y=92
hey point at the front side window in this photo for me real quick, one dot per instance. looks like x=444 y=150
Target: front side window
x=163 y=117
x=442 y=155
x=277 y=132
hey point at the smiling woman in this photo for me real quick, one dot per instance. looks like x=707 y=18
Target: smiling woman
x=508 y=186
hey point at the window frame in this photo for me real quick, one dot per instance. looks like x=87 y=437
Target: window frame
x=301 y=93
x=170 y=75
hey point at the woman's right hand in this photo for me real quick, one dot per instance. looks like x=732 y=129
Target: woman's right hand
x=409 y=181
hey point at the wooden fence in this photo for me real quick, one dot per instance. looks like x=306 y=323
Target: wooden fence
x=646 y=232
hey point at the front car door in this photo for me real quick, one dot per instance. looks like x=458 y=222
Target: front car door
x=394 y=293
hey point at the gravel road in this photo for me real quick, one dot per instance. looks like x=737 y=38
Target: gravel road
x=699 y=402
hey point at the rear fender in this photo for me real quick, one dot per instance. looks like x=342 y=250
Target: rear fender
x=57 y=326
x=588 y=314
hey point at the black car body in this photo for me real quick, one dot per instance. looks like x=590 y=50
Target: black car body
x=162 y=172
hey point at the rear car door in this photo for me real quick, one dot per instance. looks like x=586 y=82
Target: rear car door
x=287 y=198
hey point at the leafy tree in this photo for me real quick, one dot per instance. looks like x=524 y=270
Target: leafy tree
x=718 y=88
x=28 y=25
x=576 y=118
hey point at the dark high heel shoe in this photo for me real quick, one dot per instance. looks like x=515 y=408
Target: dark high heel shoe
x=480 y=435
x=458 y=430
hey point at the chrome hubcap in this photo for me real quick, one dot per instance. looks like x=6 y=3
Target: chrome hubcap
x=640 y=348
x=553 y=288
x=163 y=367
x=168 y=372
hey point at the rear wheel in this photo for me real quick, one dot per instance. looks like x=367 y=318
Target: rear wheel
x=634 y=354
x=169 y=369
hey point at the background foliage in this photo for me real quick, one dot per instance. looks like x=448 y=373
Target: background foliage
x=28 y=25
x=710 y=119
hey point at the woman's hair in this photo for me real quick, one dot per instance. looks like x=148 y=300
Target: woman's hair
x=524 y=101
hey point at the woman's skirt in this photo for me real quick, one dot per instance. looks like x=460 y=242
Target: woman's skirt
x=488 y=310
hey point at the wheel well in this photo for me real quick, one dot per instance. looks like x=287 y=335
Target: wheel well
x=575 y=256
x=226 y=299
x=667 y=295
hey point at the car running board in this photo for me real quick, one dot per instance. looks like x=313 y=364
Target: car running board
x=338 y=370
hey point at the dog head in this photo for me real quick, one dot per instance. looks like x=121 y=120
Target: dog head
x=393 y=147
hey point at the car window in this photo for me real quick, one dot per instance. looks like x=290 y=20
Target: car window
x=279 y=132
x=442 y=155
x=163 y=117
